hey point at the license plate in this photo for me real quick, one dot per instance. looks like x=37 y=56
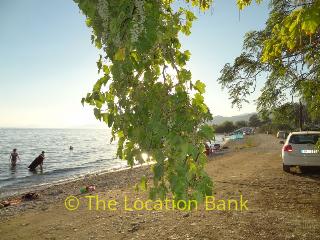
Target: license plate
x=309 y=151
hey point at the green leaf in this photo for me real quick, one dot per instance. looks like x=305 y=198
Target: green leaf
x=99 y=63
x=158 y=171
x=106 y=69
x=98 y=43
x=206 y=132
x=120 y=134
x=200 y=86
x=143 y=184
x=110 y=120
x=145 y=113
x=97 y=113
x=198 y=99
x=105 y=117
x=184 y=76
x=120 y=54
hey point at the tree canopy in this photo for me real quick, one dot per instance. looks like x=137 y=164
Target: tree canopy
x=229 y=126
x=286 y=51
x=254 y=121
x=146 y=93
x=290 y=117
x=240 y=124
x=225 y=127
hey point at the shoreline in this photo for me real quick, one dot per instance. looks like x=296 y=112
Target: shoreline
x=19 y=180
x=250 y=168
x=107 y=180
x=43 y=186
x=48 y=195
x=5 y=195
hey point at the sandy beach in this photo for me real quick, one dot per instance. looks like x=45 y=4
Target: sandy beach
x=280 y=205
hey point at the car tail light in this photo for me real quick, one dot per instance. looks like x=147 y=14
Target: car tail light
x=287 y=148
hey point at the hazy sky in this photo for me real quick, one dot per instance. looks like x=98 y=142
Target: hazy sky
x=47 y=62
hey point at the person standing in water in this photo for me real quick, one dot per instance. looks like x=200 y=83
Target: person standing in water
x=14 y=156
x=37 y=162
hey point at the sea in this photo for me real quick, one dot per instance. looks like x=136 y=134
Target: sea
x=92 y=153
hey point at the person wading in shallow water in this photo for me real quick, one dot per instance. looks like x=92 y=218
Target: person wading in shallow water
x=38 y=161
x=14 y=156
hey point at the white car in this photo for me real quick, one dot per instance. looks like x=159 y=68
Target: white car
x=300 y=150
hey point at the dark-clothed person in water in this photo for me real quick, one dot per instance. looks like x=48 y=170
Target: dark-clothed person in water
x=14 y=156
x=37 y=162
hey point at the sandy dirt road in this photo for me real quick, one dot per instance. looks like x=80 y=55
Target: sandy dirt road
x=280 y=206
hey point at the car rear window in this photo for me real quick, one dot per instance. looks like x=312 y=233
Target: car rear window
x=304 y=139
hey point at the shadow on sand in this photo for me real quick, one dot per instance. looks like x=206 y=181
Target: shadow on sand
x=311 y=173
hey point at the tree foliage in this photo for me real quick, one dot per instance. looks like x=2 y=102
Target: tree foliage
x=229 y=126
x=254 y=121
x=287 y=50
x=287 y=117
x=146 y=94
x=240 y=124
x=225 y=127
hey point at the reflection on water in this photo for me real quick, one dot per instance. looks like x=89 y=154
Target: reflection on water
x=91 y=152
x=36 y=171
x=13 y=169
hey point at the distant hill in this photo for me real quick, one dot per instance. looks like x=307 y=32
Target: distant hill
x=242 y=117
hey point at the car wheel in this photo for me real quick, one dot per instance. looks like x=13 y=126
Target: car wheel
x=286 y=168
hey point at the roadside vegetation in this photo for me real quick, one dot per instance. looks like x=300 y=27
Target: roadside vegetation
x=285 y=56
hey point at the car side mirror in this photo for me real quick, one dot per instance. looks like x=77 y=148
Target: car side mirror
x=281 y=142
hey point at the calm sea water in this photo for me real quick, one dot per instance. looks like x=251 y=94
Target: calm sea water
x=92 y=153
